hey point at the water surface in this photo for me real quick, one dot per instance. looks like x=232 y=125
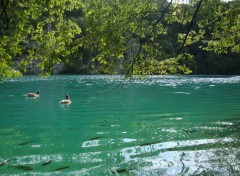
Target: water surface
x=168 y=125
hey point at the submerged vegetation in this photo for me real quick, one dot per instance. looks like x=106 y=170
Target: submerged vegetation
x=119 y=37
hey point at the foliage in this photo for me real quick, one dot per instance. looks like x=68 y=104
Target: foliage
x=224 y=23
x=36 y=32
x=168 y=66
x=115 y=37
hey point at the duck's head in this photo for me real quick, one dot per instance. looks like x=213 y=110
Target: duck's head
x=67 y=97
x=38 y=92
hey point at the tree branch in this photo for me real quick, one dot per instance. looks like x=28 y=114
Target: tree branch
x=190 y=26
x=130 y=69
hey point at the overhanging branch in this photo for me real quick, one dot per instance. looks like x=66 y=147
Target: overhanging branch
x=130 y=69
x=190 y=26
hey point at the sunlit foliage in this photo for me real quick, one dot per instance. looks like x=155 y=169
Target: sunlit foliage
x=114 y=37
x=35 y=32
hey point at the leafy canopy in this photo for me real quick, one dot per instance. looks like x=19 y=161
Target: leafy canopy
x=35 y=31
x=121 y=36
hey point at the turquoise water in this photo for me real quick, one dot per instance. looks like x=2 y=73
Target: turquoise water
x=169 y=125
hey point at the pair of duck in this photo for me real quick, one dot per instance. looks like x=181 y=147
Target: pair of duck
x=35 y=95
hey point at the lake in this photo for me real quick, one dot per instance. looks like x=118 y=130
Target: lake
x=157 y=125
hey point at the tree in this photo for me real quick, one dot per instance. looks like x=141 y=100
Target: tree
x=35 y=32
x=120 y=36
x=130 y=34
x=223 y=22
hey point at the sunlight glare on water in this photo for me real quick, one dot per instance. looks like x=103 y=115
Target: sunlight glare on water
x=157 y=125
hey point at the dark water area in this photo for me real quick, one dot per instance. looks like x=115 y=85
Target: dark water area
x=158 y=125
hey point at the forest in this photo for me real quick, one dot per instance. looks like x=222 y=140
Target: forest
x=129 y=37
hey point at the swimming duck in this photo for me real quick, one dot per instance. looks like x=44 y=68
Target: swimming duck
x=33 y=94
x=66 y=101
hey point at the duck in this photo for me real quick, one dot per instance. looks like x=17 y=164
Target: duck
x=66 y=101
x=33 y=94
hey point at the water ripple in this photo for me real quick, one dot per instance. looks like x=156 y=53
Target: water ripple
x=90 y=80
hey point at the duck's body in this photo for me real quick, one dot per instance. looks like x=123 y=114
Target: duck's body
x=66 y=101
x=33 y=94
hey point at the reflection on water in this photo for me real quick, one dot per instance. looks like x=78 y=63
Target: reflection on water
x=154 y=126
x=64 y=106
x=168 y=158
